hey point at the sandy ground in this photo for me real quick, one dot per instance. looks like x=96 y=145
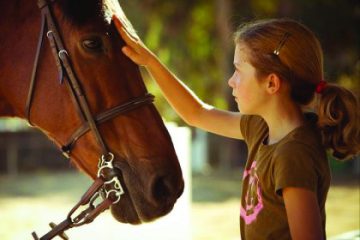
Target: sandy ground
x=29 y=202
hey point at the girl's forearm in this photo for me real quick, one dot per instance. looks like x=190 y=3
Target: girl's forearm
x=179 y=96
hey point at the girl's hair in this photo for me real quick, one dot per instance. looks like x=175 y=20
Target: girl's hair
x=292 y=51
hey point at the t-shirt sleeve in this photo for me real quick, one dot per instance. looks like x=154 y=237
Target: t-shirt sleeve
x=251 y=127
x=244 y=126
x=294 y=167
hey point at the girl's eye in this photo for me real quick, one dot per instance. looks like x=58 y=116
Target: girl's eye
x=236 y=68
x=94 y=44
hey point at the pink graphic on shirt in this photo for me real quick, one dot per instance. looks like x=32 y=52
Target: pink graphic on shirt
x=253 y=197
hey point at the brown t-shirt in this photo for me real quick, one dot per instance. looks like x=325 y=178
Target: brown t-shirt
x=298 y=160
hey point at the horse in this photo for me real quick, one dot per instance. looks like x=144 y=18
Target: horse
x=89 y=99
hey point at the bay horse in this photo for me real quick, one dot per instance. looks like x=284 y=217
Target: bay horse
x=62 y=69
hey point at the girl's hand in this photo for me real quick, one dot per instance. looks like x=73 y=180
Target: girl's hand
x=135 y=48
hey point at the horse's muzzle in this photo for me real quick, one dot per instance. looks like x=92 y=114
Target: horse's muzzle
x=157 y=198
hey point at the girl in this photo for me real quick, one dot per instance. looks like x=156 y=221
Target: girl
x=278 y=70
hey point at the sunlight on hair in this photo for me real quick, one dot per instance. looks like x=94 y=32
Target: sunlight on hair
x=113 y=8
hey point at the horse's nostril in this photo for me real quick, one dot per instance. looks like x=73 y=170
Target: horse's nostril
x=162 y=189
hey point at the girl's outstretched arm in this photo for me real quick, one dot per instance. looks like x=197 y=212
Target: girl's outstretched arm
x=189 y=107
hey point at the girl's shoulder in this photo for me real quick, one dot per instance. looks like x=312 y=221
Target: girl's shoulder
x=304 y=139
x=253 y=128
x=303 y=146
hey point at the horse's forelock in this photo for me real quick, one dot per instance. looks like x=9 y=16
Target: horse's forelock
x=79 y=12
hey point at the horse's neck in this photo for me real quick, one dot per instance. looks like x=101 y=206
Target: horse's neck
x=19 y=27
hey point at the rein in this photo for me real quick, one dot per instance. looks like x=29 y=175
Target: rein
x=106 y=186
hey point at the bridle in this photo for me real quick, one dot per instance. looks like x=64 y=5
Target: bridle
x=107 y=184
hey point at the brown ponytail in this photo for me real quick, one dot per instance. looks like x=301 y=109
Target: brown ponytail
x=300 y=63
x=339 y=121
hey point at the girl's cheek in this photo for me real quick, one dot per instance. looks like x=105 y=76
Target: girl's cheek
x=241 y=90
x=243 y=94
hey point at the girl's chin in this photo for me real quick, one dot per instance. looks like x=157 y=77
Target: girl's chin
x=241 y=110
x=244 y=111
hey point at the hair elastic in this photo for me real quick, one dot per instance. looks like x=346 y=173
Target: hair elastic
x=320 y=86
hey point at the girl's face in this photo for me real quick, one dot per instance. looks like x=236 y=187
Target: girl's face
x=246 y=88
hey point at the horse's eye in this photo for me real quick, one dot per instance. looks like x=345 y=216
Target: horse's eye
x=94 y=44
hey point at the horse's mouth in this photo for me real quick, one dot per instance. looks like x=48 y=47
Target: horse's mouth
x=126 y=211
x=125 y=214
x=134 y=208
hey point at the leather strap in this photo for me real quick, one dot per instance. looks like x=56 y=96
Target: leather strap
x=105 y=116
x=76 y=89
x=84 y=217
x=33 y=74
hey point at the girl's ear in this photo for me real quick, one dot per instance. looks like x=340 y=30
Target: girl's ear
x=273 y=83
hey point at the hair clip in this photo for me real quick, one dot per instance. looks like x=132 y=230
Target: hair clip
x=281 y=43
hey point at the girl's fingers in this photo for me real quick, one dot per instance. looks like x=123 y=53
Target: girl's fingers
x=133 y=48
x=127 y=52
x=132 y=55
x=116 y=21
x=130 y=40
x=119 y=26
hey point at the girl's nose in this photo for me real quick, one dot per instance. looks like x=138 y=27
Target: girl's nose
x=231 y=81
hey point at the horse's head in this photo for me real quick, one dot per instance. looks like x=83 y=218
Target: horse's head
x=151 y=175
